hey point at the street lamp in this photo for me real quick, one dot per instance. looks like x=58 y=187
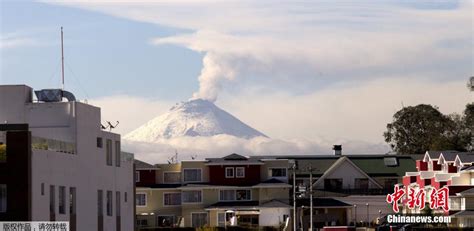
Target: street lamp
x=355 y=215
x=311 y=198
x=367 y=204
x=293 y=167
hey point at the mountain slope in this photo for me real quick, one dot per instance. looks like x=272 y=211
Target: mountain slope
x=196 y=117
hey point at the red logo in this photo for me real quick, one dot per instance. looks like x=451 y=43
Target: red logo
x=415 y=197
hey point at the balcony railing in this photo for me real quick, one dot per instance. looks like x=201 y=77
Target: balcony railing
x=126 y=156
x=330 y=192
x=40 y=143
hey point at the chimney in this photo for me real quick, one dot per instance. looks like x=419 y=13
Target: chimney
x=337 y=150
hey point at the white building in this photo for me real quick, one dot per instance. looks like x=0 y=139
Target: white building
x=57 y=164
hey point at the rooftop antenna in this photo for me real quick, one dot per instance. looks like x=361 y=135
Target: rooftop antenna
x=62 y=60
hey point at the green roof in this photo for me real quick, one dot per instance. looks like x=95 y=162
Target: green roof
x=319 y=165
x=375 y=166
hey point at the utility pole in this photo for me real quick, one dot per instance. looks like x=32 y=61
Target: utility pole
x=294 y=195
x=62 y=60
x=310 y=198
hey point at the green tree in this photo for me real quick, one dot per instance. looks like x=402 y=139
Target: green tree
x=457 y=135
x=422 y=127
x=469 y=115
x=414 y=129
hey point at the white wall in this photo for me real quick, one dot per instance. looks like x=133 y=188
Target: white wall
x=272 y=216
x=86 y=170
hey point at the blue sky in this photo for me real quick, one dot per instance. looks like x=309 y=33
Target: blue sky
x=318 y=71
x=104 y=55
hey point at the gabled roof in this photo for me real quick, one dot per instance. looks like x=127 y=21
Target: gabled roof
x=322 y=202
x=450 y=155
x=274 y=203
x=272 y=183
x=468 y=168
x=234 y=159
x=335 y=166
x=234 y=204
x=319 y=165
x=467 y=192
x=143 y=165
x=234 y=156
x=465 y=213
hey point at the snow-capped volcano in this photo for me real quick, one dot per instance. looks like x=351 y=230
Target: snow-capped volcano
x=195 y=117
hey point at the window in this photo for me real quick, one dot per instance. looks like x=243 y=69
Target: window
x=3 y=198
x=227 y=195
x=125 y=197
x=100 y=203
x=170 y=199
x=361 y=183
x=240 y=172
x=117 y=204
x=171 y=177
x=142 y=222
x=229 y=172
x=137 y=176
x=72 y=200
x=427 y=182
x=42 y=189
x=165 y=220
x=277 y=172
x=235 y=195
x=109 y=203
x=117 y=154
x=221 y=219
x=99 y=142
x=191 y=196
x=390 y=161
x=62 y=200
x=333 y=184
x=198 y=219
x=192 y=175
x=109 y=152
x=52 y=201
x=243 y=195
x=140 y=199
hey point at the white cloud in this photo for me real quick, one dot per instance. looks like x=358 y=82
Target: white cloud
x=307 y=41
x=15 y=40
x=352 y=115
x=357 y=63
x=221 y=145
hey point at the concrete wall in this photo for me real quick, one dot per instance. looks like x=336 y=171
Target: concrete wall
x=86 y=170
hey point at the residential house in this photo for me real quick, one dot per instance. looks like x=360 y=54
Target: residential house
x=232 y=190
x=451 y=169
